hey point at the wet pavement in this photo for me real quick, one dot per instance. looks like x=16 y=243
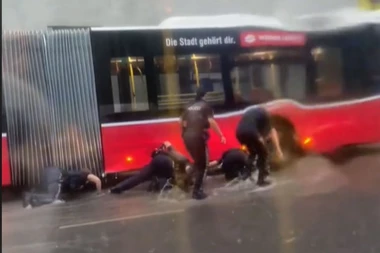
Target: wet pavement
x=314 y=206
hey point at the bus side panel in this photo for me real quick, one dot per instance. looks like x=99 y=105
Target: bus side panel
x=5 y=167
x=369 y=118
x=129 y=147
x=346 y=124
x=328 y=127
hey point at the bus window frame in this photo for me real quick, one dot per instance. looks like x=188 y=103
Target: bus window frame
x=304 y=55
x=148 y=44
x=138 y=46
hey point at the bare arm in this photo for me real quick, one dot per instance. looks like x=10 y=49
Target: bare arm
x=215 y=127
x=95 y=180
x=182 y=122
x=213 y=163
x=181 y=119
x=276 y=141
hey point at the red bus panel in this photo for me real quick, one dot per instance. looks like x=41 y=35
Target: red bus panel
x=5 y=167
x=320 y=129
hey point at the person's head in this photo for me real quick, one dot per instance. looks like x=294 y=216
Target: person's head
x=199 y=94
x=159 y=150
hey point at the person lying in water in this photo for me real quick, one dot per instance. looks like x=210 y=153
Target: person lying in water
x=166 y=164
x=233 y=163
x=55 y=182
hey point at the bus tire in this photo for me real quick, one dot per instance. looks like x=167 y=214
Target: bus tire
x=288 y=141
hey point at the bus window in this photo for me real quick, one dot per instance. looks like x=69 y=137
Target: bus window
x=329 y=72
x=179 y=77
x=265 y=75
x=375 y=71
x=3 y=118
x=374 y=62
x=129 y=87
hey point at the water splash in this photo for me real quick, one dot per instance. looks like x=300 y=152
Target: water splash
x=171 y=193
x=236 y=185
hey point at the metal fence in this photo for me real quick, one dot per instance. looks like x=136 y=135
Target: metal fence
x=50 y=101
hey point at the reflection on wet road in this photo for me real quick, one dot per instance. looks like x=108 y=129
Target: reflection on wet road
x=314 y=206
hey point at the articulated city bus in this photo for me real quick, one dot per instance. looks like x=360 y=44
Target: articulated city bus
x=321 y=87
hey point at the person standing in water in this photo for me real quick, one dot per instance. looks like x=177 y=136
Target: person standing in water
x=197 y=118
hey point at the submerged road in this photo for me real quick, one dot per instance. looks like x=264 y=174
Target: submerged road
x=314 y=206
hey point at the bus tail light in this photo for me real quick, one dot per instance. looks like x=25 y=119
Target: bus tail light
x=307 y=141
x=129 y=159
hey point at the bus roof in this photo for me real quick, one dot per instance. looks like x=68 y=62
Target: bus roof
x=345 y=18
x=231 y=20
x=216 y=21
x=310 y=22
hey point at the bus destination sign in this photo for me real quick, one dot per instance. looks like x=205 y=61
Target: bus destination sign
x=199 y=41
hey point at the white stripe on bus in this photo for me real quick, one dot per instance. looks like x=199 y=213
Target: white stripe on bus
x=3 y=135
x=231 y=114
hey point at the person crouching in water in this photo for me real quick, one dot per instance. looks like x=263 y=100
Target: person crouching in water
x=55 y=182
x=253 y=131
x=233 y=163
x=166 y=163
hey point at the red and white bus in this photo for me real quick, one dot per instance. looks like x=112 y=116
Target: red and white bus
x=323 y=85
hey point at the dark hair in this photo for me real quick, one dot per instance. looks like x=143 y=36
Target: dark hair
x=199 y=94
x=158 y=150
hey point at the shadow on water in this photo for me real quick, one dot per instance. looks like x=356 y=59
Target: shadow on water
x=348 y=153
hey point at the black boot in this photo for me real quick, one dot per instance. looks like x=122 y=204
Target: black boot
x=262 y=179
x=115 y=190
x=199 y=194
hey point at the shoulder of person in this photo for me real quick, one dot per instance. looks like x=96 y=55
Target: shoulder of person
x=188 y=104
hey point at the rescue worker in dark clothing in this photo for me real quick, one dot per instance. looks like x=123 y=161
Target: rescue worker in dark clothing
x=253 y=131
x=166 y=163
x=197 y=118
x=233 y=163
x=56 y=181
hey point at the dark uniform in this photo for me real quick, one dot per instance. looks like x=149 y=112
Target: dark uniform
x=74 y=180
x=55 y=181
x=165 y=164
x=195 y=135
x=255 y=123
x=234 y=162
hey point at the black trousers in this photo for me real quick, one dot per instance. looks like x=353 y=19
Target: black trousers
x=161 y=166
x=255 y=147
x=196 y=144
x=145 y=174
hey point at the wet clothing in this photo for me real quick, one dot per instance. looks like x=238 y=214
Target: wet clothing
x=55 y=181
x=255 y=123
x=74 y=180
x=165 y=164
x=196 y=115
x=255 y=120
x=195 y=135
x=161 y=166
x=233 y=163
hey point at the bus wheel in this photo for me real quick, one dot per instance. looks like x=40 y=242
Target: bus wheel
x=289 y=144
